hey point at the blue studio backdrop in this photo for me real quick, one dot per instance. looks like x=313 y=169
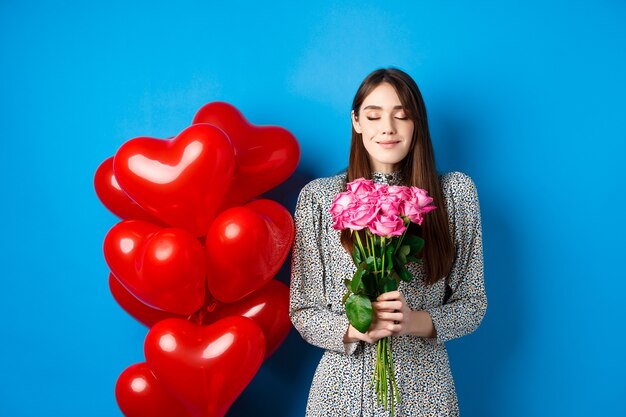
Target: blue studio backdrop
x=525 y=97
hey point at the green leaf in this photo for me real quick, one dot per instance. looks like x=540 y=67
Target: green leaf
x=405 y=250
x=400 y=258
x=359 y=312
x=357 y=284
x=387 y=283
x=398 y=264
x=369 y=282
x=405 y=275
x=416 y=243
x=389 y=258
x=347 y=282
x=395 y=275
x=356 y=255
x=345 y=297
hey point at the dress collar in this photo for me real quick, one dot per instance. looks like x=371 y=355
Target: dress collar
x=387 y=178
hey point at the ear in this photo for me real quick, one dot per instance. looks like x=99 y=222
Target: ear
x=355 y=123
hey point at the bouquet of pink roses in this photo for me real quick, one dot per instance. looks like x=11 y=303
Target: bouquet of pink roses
x=378 y=216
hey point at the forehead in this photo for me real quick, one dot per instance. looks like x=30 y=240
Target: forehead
x=384 y=95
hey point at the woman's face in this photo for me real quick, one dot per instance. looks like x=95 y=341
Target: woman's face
x=385 y=129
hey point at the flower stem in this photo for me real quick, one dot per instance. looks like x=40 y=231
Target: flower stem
x=370 y=240
x=400 y=240
x=360 y=244
x=384 y=379
x=382 y=252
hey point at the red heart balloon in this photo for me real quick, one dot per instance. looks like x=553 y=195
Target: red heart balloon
x=246 y=247
x=122 y=243
x=205 y=367
x=144 y=314
x=114 y=198
x=181 y=181
x=266 y=155
x=164 y=268
x=268 y=307
x=139 y=394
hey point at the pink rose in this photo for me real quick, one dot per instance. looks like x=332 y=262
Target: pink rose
x=413 y=213
x=421 y=196
x=381 y=188
x=371 y=198
x=417 y=205
x=389 y=204
x=360 y=187
x=341 y=202
x=360 y=216
x=364 y=191
x=340 y=208
x=387 y=226
x=339 y=221
x=400 y=191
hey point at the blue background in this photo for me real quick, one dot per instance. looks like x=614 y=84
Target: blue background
x=525 y=97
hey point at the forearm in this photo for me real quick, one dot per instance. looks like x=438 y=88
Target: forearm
x=458 y=318
x=322 y=328
x=420 y=324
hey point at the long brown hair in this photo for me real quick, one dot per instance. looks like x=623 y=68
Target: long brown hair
x=418 y=169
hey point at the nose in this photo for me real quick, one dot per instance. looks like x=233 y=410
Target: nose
x=388 y=126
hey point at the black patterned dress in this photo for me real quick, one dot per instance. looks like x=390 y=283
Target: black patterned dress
x=342 y=382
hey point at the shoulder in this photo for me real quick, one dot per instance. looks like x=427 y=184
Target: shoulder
x=316 y=198
x=323 y=189
x=457 y=185
x=461 y=198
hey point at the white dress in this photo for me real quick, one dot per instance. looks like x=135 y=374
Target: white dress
x=341 y=384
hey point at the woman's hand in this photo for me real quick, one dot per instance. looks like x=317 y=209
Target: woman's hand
x=392 y=316
x=391 y=312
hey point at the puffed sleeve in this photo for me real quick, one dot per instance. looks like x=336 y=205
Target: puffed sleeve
x=466 y=306
x=308 y=305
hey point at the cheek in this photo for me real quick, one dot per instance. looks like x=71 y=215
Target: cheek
x=368 y=130
x=366 y=141
x=409 y=131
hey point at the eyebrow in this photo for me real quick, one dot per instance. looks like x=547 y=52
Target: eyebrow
x=380 y=108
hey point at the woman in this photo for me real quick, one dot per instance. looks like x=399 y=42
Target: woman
x=445 y=300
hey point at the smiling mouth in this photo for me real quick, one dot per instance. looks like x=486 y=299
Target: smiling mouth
x=388 y=144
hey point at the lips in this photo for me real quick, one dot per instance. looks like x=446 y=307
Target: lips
x=388 y=144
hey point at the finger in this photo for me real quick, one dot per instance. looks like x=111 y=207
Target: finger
x=393 y=328
x=387 y=305
x=393 y=317
x=377 y=334
x=386 y=326
x=381 y=305
x=381 y=325
x=391 y=295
